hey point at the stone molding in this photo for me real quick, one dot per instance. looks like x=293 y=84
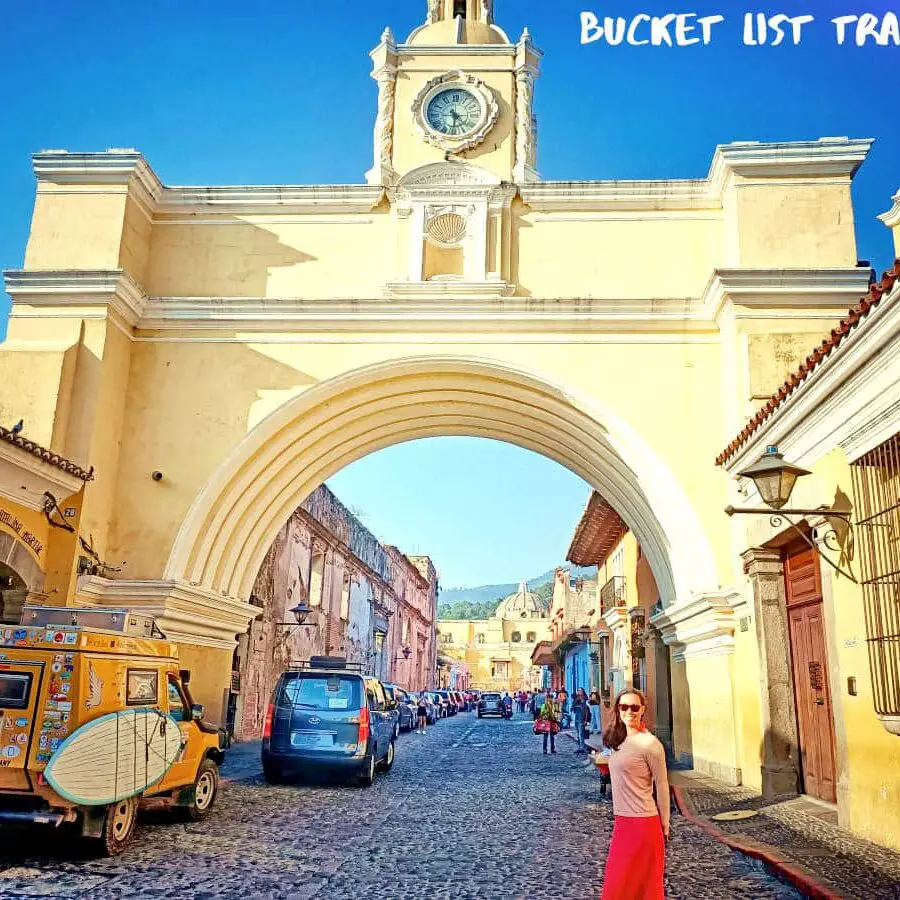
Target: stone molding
x=891 y=218
x=186 y=613
x=797 y=289
x=703 y=626
x=837 y=158
x=427 y=305
x=48 y=291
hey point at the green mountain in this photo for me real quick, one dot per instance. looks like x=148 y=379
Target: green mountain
x=480 y=602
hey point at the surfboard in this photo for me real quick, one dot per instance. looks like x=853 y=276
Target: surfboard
x=115 y=756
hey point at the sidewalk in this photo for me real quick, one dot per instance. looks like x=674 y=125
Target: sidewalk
x=798 y=838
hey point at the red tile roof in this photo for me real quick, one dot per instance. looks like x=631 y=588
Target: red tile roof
x=47 y=456
x=838 y=335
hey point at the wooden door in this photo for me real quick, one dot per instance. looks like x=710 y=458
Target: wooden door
x=809 y=665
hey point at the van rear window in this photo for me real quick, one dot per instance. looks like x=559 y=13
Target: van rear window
x=323 y=692
x=14 y=690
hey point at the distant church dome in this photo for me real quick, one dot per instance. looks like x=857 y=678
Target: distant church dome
x=523 y=604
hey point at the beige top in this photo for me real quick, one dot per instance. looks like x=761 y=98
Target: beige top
x=636 y=768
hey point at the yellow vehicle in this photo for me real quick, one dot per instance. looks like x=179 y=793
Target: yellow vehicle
x=96 y=718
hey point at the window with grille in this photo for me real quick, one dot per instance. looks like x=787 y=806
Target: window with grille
x=876 y=491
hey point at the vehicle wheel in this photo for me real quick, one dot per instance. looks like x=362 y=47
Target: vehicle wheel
x=118 y=826
x=396 y=732
x=366 y=778
x=273 y=773
x=206 y=788
x=388 y=762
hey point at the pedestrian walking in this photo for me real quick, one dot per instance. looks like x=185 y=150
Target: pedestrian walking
x=581 y=715
x=562 y=699
x=421 y=714
x=635 y=864
x=537 y=701
x=548 y=723
x=595 y=704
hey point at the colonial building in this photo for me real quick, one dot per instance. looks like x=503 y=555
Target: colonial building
x=369 y=603
x=627 y=329
x=496 y=652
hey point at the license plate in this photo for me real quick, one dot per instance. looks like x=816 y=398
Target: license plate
x=312 y=739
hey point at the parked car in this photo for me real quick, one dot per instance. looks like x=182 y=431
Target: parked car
x=459 y=700
x=490 y=704
x=325 y=718
x=406 y=709
x=452 y=709
x=441 y=702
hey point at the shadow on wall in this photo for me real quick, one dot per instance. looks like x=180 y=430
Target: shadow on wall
x=182 y=421
x=231 y=259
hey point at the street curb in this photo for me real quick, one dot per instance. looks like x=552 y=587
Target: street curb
x=802 y=879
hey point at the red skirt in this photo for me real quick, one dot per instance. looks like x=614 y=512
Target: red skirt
x=636 y=860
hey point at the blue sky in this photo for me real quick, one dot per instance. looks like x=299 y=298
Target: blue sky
x=232 y=93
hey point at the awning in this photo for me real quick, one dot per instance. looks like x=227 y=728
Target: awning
x=597 y=534
x=542 y=655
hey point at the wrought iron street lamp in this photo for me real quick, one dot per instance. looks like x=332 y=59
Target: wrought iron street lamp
x=774 y=479
x=301 y=613
x=406 y=652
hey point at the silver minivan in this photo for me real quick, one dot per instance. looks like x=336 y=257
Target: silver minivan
x=328 y=718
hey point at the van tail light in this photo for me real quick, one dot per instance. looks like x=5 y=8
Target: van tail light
x=364 y=725
x=267 y=727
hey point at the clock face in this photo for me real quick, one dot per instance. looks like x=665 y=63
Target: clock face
x=453 y=112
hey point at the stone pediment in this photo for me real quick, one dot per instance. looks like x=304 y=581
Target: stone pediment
x=451 y=181
x=447 y=173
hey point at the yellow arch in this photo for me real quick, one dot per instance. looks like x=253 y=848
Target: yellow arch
x=235 y=518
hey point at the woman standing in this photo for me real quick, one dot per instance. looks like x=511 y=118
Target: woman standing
x=421 y=714
x=550 y=715
x=636 y=862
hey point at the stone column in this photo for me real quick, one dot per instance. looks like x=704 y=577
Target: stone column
x=382 y=171
x=780 y=751
x=656 y=650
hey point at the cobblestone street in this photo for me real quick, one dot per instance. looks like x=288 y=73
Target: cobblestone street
x=471 y=810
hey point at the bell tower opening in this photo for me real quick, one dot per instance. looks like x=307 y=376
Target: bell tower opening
x=459 y=8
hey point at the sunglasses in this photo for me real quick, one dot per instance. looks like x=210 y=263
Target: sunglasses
x=634 y=707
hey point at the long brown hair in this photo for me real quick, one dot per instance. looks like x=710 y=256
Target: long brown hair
x=617 y=732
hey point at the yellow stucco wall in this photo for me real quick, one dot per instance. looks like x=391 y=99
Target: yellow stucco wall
x=872 y=762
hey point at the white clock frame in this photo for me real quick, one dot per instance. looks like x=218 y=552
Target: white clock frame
x=490 y=111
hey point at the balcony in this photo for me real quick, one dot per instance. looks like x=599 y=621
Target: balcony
x=612 y=594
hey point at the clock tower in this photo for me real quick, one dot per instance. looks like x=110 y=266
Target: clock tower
x=456 y=90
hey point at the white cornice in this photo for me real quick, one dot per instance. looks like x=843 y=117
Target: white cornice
x=186 y=613
x=799 y=160
x=252 y=199
x=24 y=478
x=800 y=289
x=848 y=400
x=703 y=626
x=825 y=157
x=112 y=167
x=486 y=290
x=892 y=217
x=75 y=289
x=573 y=196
